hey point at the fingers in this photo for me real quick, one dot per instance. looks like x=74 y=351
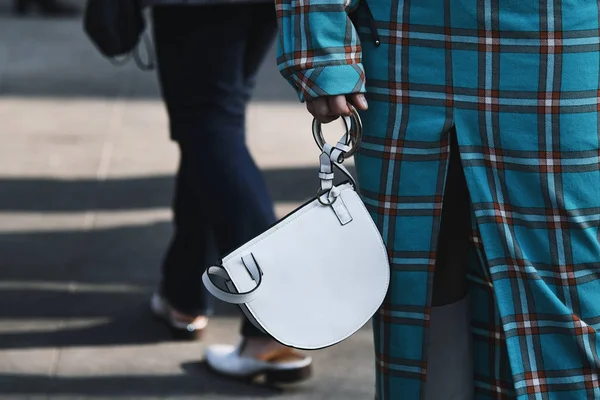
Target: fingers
x=327 y=109
x=359 y=101
x=338 y=106
x=320 y=109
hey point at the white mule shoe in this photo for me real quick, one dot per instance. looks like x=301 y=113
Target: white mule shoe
x=284 y=366
x=180 y=328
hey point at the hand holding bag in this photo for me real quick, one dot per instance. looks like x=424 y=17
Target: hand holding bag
x=317 y=276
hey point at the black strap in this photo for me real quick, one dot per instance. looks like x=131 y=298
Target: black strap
x=147 y=65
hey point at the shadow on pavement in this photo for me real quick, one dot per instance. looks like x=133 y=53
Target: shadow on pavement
x=98 y=283
x=104 y=276
x=195 y=380
x=58 y=195
x=87 y=289
x=113 y=270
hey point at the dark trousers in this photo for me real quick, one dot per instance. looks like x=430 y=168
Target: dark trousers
x=450 y=278
x=208 y=57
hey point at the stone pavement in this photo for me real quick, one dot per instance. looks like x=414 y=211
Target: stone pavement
x=85 y=185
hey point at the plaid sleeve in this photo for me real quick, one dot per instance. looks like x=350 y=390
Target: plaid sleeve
x=319 y=51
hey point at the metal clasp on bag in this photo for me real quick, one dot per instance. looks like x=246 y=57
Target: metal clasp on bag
x=335 y=155
x=330 y=198
x=353 y=135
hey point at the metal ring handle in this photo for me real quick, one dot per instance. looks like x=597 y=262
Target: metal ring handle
x=354 y=132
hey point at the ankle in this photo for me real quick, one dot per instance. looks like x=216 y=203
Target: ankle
x=254 y=347
x=186 y=317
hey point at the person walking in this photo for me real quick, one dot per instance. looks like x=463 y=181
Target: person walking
x=208 y=56
x=480 y=165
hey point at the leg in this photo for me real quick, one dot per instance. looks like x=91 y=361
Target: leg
x=450 y=360
x=260 y=38
x=450 y=278
x=246 y=206
x=534 y=176
x=403 y=172
x=250 y=199
x=203 y=106
x=191 y=247
x=212 y=95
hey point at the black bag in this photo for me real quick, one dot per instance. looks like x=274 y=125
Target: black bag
x=115 y=27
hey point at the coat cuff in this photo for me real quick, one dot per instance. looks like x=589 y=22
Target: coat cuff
x=328 y=81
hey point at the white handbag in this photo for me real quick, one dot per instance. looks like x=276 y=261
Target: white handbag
x=318 y=275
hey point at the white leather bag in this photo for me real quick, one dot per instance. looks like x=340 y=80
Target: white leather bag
x=317 y=276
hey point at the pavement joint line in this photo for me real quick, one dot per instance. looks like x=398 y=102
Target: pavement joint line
x=103 y=169
x=106 y=154
x=70 y=220
x=74 y=286
x=56 y=353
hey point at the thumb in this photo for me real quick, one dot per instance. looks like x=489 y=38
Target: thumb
x=359 y=101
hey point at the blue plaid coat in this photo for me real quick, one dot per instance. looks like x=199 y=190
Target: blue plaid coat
x=519 y=81
x=152 y=3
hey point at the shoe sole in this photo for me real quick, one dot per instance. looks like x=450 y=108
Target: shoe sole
x=180 y=334
x=288 y=376
x=271 y=376
x=184 y=334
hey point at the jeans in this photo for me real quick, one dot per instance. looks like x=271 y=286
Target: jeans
x=208 y=58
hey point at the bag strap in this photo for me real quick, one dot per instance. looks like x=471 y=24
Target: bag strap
x=147 y=65
x=334 y=156
x=231 y=295
x=150 y=62
x=330 y=157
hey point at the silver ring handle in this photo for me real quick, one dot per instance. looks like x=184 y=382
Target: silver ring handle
x=354 y=132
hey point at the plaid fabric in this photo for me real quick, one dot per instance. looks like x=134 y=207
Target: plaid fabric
x=519 y=80
x=324 y=64
x=152 y=3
